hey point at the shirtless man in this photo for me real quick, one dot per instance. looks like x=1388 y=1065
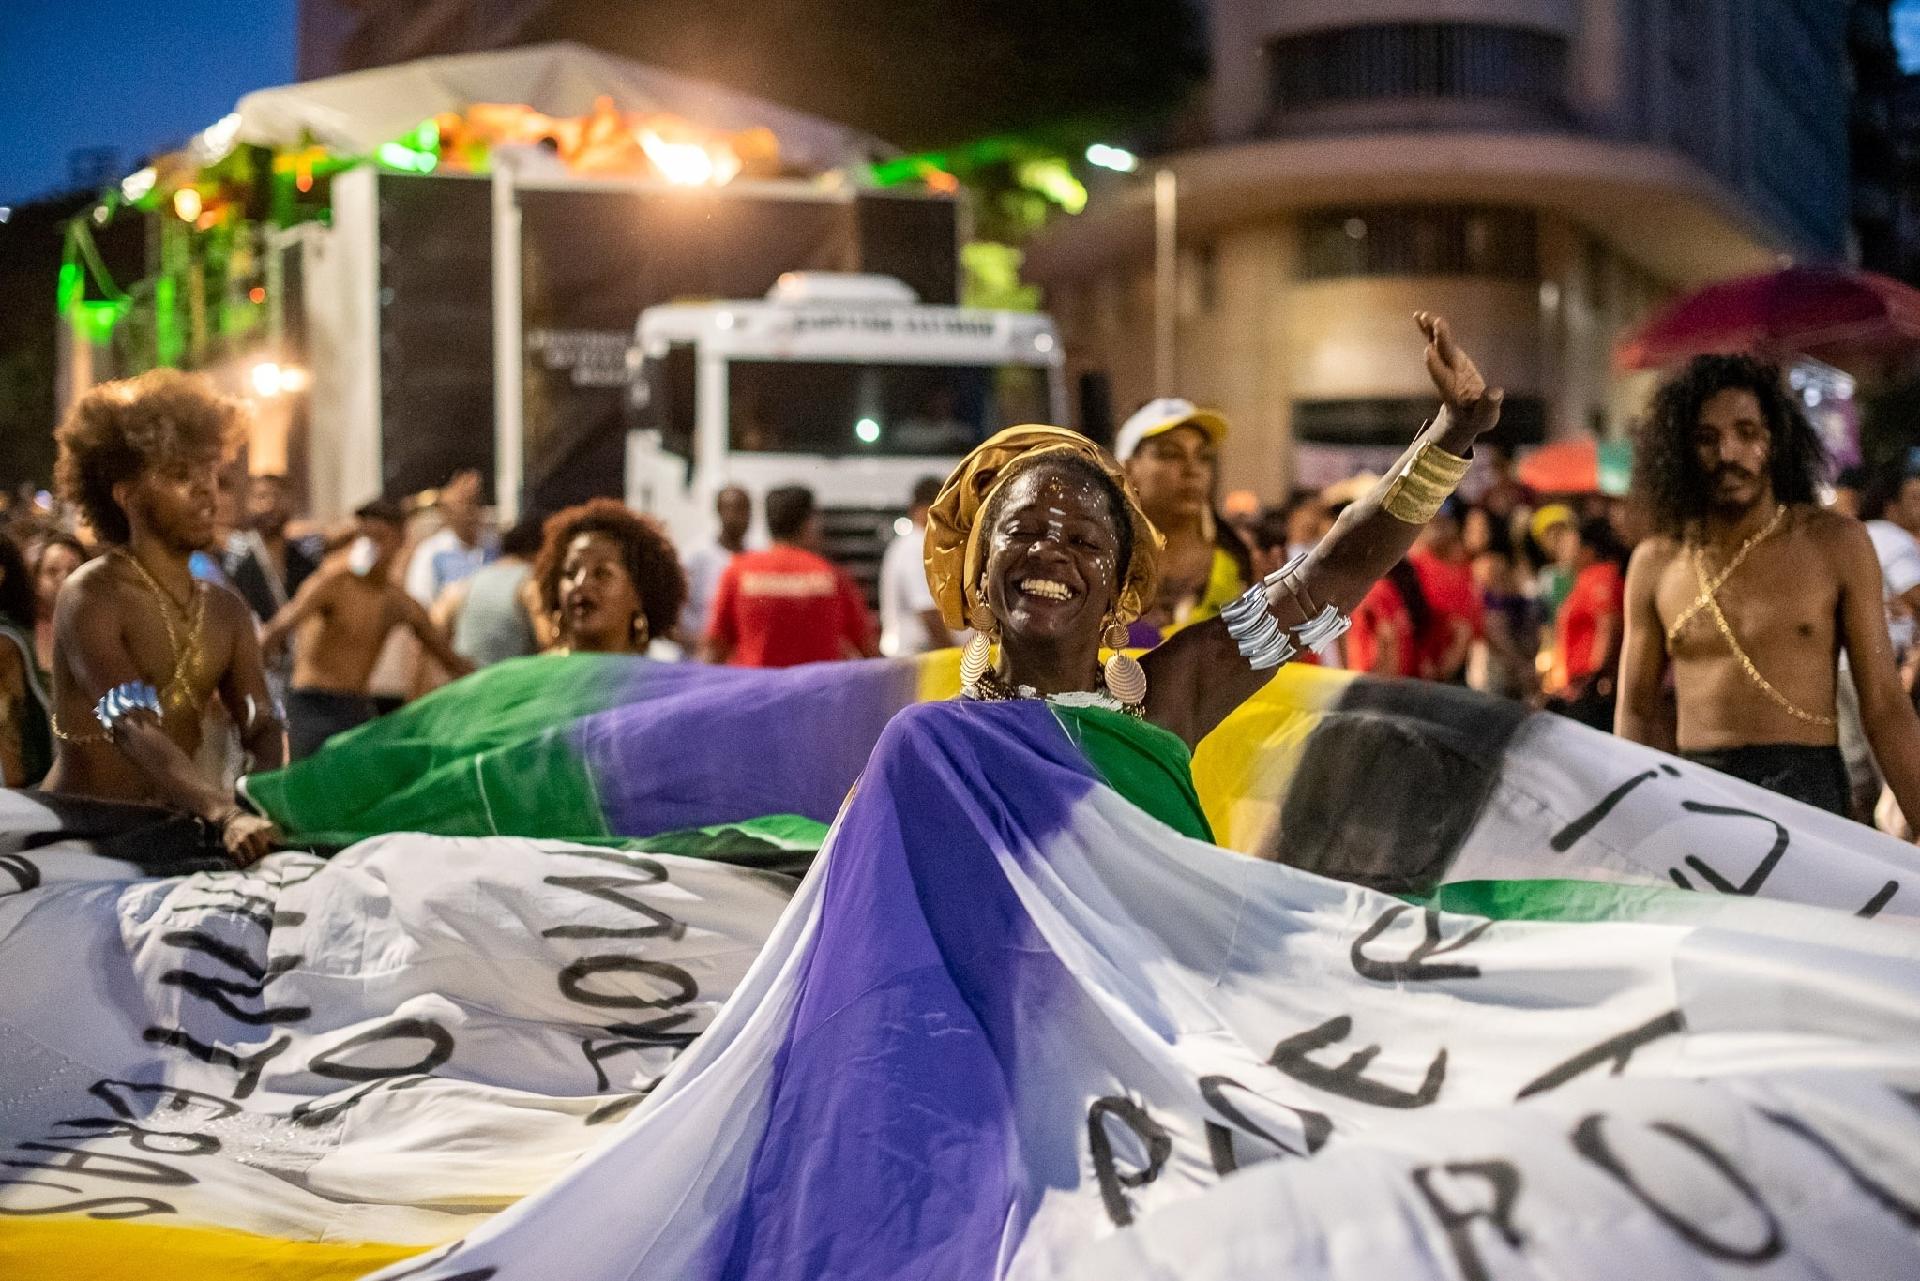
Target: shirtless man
x=343 y=614
x=1752 y=592
x=140 y=646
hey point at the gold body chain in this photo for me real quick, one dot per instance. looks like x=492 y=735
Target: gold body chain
x=1709 y=600
x=185 y=655
x=1709 y=590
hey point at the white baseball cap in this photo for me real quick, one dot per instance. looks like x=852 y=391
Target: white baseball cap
x=1158 y=417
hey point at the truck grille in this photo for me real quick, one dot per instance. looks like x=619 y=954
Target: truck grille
x=857 y=538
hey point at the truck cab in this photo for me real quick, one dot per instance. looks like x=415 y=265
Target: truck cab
x=844 y=383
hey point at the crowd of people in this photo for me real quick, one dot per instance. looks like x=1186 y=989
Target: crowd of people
x=1732 y=609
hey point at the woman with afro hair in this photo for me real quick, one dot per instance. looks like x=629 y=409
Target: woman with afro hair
x=609 y=580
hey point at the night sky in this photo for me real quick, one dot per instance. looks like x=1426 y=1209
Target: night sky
x=1906 y=33
x=135 y=75
x=141 y=75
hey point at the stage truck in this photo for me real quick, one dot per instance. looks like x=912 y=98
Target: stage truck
x=843 y=382
x=456 y=321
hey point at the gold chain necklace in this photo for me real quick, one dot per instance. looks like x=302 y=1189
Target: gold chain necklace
x=1710 y=601
x=1710 y=590
x=185 y=654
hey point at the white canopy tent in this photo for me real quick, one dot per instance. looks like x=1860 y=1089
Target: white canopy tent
x=356 y=112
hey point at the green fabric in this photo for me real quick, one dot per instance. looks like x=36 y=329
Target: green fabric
x=427 y=767
x=778 y=843
x=1567 y=900
x=1148 y=765
x=784 y=843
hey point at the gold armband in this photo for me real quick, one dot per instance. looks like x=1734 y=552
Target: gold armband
x=1423 y=482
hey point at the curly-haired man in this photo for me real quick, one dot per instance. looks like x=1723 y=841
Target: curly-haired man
x=1752 y=592
x=140 y=646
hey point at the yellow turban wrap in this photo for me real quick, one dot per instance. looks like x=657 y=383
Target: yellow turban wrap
x=954 y=548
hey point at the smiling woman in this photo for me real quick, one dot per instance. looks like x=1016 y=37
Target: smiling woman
x=1038 y=542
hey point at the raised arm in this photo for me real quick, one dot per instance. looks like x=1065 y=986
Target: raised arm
x=1885 y=712
x=1642 y=713
x=432 y=639
x=311 y=596
x=97 y=655
x=1198 y=677
x=1369 y=537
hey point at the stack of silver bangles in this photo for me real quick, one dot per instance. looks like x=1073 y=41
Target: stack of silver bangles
x=1256 y=631
x=118 y=702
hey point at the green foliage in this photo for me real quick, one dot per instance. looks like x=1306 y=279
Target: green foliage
x=991 y=278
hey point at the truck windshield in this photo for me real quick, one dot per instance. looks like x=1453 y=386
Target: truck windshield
x=839 y=408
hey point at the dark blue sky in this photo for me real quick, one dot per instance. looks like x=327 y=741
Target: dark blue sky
x=1906 y=33
x=136 y=75
x=139 y=75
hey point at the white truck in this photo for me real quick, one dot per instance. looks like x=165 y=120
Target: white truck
x=841 y=382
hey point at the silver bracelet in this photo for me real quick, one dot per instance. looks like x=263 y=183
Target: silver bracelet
x=122 y=701
x=1257 y=633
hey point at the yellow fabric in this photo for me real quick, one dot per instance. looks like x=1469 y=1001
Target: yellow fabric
x=75 y=1248
x=939 y=675
x=1224 y=586
x=1242 y=769
x=954 y=548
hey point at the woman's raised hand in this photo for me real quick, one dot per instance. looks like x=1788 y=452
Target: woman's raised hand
x=1473 y=406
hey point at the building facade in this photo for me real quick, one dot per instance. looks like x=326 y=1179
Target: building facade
x=1543 y=172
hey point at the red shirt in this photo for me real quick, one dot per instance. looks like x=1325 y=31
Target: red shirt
x=1598 y=592
x=1380 y=611
x=1454 y=599
x=785 y=606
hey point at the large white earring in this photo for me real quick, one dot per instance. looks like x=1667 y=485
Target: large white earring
x=974 y=660
x=1125 y=679
x=978 y=655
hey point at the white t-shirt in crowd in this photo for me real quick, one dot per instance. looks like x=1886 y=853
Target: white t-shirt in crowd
x=1899 y=554
x=703 y=565
x=440 y=561
x=904 y=595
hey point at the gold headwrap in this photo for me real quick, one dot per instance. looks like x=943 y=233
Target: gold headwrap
x=954 y=548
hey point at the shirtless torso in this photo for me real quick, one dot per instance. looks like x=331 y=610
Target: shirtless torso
x=338 y=642
x=341 y=618
x=113 y=627
x=1783 y=606
x=1806 y=592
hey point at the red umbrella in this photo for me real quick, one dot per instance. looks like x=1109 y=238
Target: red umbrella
x=1811 y=310
x=1578 y=466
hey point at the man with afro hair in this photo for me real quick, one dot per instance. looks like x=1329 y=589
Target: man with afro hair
x=140 y=646
x=1751 y=593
